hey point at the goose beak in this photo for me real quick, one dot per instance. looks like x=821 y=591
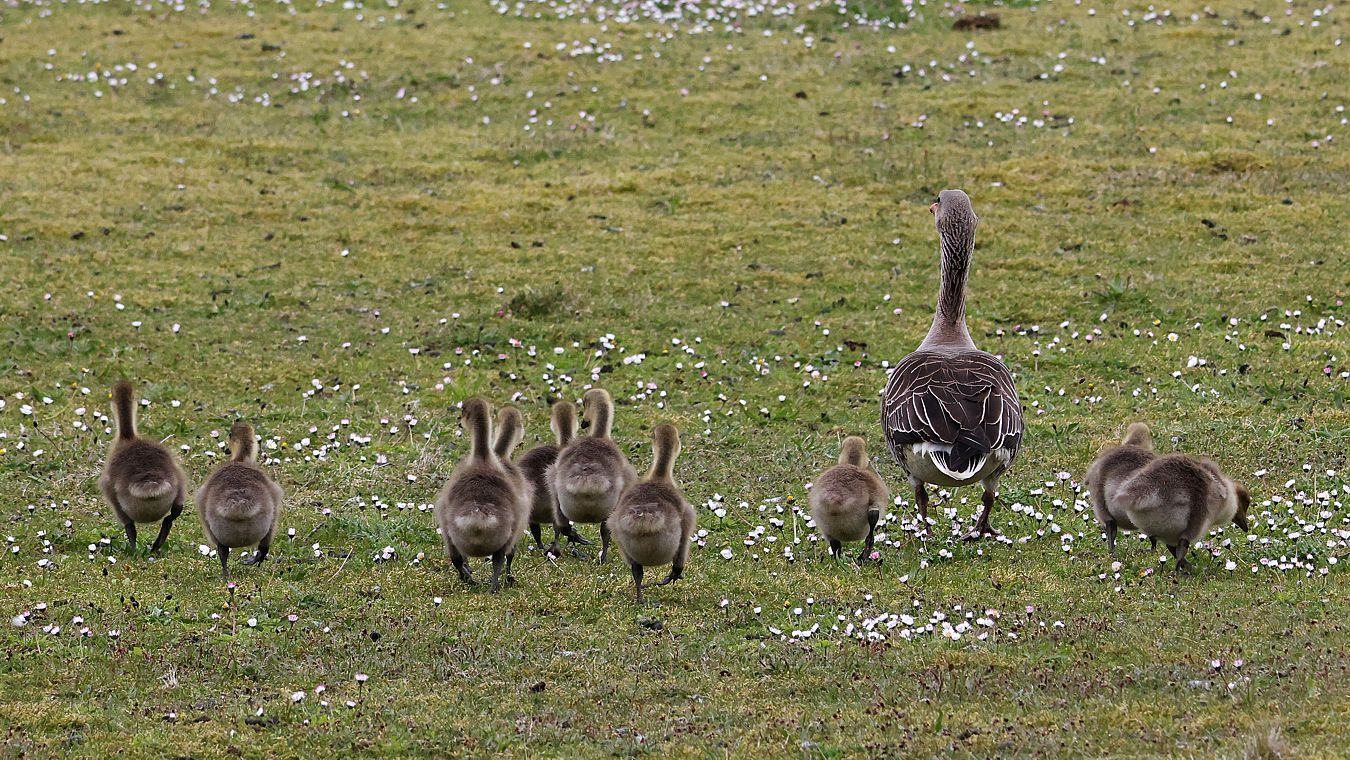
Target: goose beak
x=933 y=209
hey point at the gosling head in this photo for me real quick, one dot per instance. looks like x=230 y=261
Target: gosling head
x=1138 y=434
x=243 y=443
x=474 y=410
x=854 y=451
x=598 y=408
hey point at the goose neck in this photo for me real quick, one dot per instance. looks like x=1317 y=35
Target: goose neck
x=949 y=321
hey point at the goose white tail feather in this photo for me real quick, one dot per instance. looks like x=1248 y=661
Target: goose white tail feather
x=937 y=454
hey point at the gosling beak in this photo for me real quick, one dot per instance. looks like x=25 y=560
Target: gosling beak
x=1241 y=521
x=933 y=209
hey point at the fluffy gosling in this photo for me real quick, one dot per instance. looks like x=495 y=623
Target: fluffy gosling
x=1109 y=470
x=591 y=473
x=239 y=504
x=483 y=508
x=141 y=479
x=848 y=500
x=534 y=464
x=1177 y=499
x=653 y=523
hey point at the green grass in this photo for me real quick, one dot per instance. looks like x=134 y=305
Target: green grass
x=167 y=233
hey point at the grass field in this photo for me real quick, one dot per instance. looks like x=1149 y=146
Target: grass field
x=340 y=221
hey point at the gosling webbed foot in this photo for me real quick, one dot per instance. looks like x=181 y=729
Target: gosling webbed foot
x=867 y=558
x=675 y=575
x=981 y=531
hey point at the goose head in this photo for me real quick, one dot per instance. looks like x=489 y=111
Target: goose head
x=953 y=213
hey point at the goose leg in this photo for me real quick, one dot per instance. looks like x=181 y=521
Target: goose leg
x=604 y=542
x=982 y=527
x=127 y=523
x=498 y=564
x=873 y=516
x=921 y=501
x=564 y=527
x=553 y=549
x=461 y=564
x=224 y=552
x=677 y=567
x=1111 y=527
x=510 y=557
x=836 y=549
x=1179 y=551
x=174 y=512
x=537 y=533
x=637 y=579
x=261 y=554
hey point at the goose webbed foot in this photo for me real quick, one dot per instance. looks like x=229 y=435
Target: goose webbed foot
x=981 y=531
x=261 y=553
x=574 y=539
x=604 y=543
x=1179 y=551
x=836 y=550
x=676 y=573
x=870 y=557
x=921 y=503
x=637 y=580
x=465 y=574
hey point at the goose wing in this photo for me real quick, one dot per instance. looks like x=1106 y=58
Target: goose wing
x=966 y=401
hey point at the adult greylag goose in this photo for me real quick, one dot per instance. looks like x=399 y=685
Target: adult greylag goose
x=950 y=412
